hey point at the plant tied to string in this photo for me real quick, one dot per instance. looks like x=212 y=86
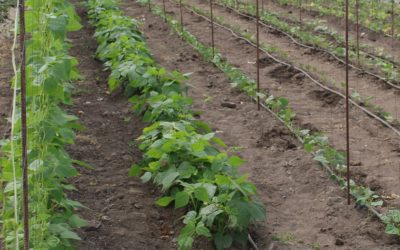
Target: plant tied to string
x=50 y=72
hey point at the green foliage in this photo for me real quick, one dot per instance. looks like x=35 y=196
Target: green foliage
x=180 y=154
x=50 y=72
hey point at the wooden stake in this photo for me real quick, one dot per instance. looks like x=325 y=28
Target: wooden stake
x=347 y=103
x=212 y=28
x=24 y=132
x=258 y=53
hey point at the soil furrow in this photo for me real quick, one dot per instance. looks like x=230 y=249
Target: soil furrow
x=375 y=155
x=331 y=72
x=290 y=183
x=122 y=213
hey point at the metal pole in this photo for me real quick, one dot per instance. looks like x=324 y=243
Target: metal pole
x=149 y=5
x=24 y=132
x=165 y=12
x=258 y=53
x=358 y=30
x=180 y=11
x=347 y=103
x=212 y=28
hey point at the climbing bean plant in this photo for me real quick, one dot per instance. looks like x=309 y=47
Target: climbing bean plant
x=50 y=73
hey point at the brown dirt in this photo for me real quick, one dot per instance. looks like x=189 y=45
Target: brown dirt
x=121 y=212
x=6 y=74
x=304 y=206
x=371 y=143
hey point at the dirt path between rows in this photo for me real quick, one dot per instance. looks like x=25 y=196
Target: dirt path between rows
x=375 y=160
x=305 y=209
x=121 y=212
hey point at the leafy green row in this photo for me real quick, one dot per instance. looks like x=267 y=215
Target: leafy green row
x=373 y=14
x=316 y=143
x=180 y=154
x=50 y=72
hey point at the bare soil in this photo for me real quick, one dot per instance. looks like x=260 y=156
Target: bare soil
x=375 y=159
x=6 y=73
x=305 y=208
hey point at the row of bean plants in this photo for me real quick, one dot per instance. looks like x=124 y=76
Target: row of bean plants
x=315 y=143
x=50 y=73
x=181 y=155
x=373 y=14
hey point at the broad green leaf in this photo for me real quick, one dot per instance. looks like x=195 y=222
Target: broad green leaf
x=135 y=170
x=202 y=230
x=201 y=194
x=181 y=199
x=76 y=222
x=235 y=161
x=146 y=177
x=169 y=180
x=164 y=201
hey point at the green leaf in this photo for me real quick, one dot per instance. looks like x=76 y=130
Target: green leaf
x=185 y=242
x=201 y=194
x=391 y=229
x=169 y=180
x=202 y=230
x=186 y=170
x=235 y=161
x=67 y=234
x=135 y=170
x=222 y=241
x=198 y=146
x=76 y=222
x=164 y=201
x=181 y=199
x=146 y=177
